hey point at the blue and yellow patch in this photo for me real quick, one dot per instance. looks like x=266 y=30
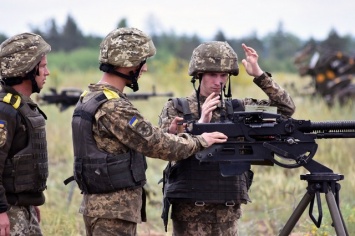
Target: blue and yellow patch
x=2 y=123
x=133 y=121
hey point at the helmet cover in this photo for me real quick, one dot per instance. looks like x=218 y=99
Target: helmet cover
x=21 y=53
x=214 y=56
x=126 y=47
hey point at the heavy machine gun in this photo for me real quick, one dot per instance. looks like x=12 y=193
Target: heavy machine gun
x=70 y=96
x=259 y=138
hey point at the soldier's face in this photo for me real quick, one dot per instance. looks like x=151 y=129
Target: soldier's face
x=213 y=82
x=43 y=72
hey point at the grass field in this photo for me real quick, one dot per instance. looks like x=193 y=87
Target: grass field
x=275 y=191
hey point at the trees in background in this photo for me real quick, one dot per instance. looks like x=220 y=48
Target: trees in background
x=276 y=49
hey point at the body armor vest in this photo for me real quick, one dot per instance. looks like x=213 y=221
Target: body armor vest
x=97 y=171
x=192 y=181
x=27 y=170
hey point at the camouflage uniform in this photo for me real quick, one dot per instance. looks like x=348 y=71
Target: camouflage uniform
x=218 y=219
x=24 y=221
x=114 y=134
x=19 y=143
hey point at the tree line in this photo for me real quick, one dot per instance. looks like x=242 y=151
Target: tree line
x=276 y=49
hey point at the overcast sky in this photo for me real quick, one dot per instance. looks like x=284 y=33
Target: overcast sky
x=304 y=18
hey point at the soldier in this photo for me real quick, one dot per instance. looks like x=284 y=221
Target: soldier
x=111 y=139
x=23 y=145
x=215 y=209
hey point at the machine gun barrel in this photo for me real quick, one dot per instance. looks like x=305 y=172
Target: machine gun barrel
x=330 y=129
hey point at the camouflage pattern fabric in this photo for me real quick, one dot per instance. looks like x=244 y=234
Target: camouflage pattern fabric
x=207 y=58
x=186 y=228
x=23 y=221
x=126 y=47
x=21 y=53
x=3 y=133
x=209 y=213
x=213 y=213
x=278 y=97
x=119 y=127
x=99 y=226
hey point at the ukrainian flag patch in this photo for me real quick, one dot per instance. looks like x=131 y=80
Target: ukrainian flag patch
x=2 y=123
x=133 y=121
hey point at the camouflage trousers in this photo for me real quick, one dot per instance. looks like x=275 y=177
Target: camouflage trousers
x=100 y=226
x=23 y=221
x=185 y=228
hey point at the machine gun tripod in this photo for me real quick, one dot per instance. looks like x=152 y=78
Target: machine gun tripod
x=319 y=183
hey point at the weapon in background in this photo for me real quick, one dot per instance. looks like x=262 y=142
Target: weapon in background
x=69 y=97
x=258 y=138
x=332 y=73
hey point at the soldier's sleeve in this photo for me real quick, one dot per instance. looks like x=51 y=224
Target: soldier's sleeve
x=167 y=115
x=127 y=124
x=7 y=131
x=278 y=96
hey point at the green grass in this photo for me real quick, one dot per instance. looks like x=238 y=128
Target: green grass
x=275 y=191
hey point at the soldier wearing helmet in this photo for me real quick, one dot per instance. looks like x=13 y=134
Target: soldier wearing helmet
x=203 y=201
x=23 y=145
x=111 y=139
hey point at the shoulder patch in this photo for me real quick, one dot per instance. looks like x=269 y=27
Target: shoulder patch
x=144 y=129
x=141 y=127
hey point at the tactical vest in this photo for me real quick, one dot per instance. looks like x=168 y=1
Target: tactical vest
x=27 y=170
x=97 y=171
x=192 y=181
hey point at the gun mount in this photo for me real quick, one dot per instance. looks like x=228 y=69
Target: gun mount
x=70 y=96
x=258 y=138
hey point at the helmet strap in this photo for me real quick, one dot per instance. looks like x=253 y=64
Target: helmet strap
x=229 y=94
x=32 y=77
x=18 y=80
x=133 y=75
x=193 y=80
x=12 y=81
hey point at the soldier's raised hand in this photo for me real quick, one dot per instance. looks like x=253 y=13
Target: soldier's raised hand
x=251 y=62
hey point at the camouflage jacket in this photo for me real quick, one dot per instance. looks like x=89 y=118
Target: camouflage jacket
x=119 y=127
x=212 y=213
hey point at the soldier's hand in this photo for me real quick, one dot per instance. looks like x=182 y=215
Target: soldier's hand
x=250 y=62
x=4 y=224
x=208 y=106
x=177 y=126
x=214 y=137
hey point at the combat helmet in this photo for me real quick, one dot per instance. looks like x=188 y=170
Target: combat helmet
x=125 y=47
x=21 y=53
x=214 y=56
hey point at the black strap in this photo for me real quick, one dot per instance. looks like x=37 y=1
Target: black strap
x=133 y=75
x=182 y=105
x=68 y=180
x=144 y=203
